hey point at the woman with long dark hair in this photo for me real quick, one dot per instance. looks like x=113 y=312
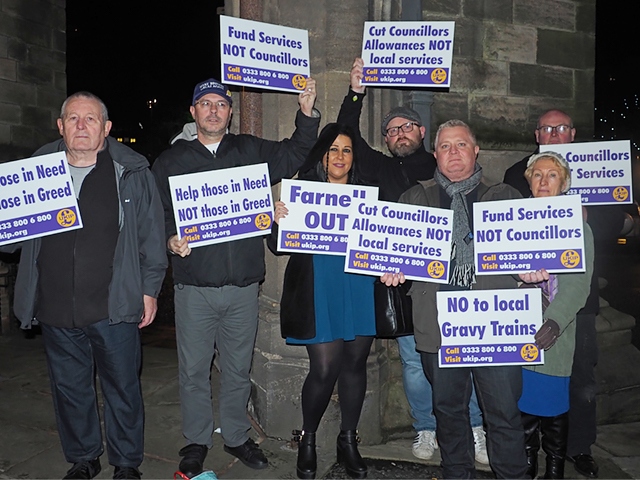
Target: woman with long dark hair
x=331 y=313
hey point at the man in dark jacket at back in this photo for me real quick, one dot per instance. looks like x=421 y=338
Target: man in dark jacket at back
x=216 y=286
x=93 y=288
x=556 y=127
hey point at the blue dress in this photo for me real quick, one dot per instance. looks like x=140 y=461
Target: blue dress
x=343 y=302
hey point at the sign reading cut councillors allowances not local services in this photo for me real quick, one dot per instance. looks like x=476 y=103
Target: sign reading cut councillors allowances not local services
x=489 y=327
x=601 y=172
x=318 y=218
x=519 y=236
x=407 y=54
x=396 y=237
x=261 y=55
x=37 y=198
x=222 y=205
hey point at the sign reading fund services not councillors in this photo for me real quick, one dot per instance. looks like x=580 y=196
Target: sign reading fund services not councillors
x=261 y=55
x=407 y=54
x=601 y=172
x=318 y=218
x=222 y=205
x=397 y=237
x=489 y=327
x=519 y=236
x=37 y=198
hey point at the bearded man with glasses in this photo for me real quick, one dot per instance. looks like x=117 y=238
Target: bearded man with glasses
x=409 y=163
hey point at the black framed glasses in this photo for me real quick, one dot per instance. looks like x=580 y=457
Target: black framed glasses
x=559 y=129
x=406 y=128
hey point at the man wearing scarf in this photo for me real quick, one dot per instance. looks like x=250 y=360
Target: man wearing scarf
x=458 y=184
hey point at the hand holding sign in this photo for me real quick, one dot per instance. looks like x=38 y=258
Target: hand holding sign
x=392 y=279
x=307 y=97
x=356 y=76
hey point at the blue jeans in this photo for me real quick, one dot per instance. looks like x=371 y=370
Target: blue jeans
x=499 y=389
x=418 y=389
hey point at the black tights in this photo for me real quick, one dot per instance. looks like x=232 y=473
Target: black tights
x=344 y=362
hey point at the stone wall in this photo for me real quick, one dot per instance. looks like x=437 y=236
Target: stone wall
x=33 y=82
x=513 y=60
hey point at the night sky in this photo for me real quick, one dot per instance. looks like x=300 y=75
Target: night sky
x=131 y=52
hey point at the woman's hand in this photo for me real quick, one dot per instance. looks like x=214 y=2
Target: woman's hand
x=281 y=211
x=392 y=279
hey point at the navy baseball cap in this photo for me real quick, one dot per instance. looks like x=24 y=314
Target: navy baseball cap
x=211 y=86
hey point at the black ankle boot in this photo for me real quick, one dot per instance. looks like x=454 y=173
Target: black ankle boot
x=347 y=448
x=307 y=460
x=554 y=444
x=531 y=425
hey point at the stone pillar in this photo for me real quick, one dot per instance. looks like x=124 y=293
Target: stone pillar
x=279 y=370
x=251 y=101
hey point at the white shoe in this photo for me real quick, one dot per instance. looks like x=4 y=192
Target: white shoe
x=480 y=445
x=425 y=444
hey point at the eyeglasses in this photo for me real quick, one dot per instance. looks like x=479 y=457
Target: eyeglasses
x=559 y=129
x=407 y=127
x=207 y=104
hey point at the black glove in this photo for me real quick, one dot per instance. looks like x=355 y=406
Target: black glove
x=548 y=334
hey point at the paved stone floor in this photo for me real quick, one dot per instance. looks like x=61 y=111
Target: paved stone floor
x=29 y=446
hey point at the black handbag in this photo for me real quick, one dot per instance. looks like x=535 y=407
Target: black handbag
x=393 y=307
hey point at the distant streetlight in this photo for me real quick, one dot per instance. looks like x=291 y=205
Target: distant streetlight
x=151 y=103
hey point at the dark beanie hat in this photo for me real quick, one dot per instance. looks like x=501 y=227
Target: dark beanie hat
x=403 y=112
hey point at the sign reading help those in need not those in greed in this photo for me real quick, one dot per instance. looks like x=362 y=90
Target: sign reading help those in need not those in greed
x=519 y=236
x=318 y=218
x=222 y=205
x=407 y=54
x=37 y=198
x=261 y=55
x=601 y=172
x=396 y=237
x=489 y=327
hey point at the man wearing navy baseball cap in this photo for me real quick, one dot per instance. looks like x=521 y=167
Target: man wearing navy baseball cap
x=216 y=286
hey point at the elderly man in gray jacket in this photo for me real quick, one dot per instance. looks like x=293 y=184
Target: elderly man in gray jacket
x=93 y=288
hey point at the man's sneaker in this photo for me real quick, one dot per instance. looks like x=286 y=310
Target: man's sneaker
x=249 y=453
x=480 y=445
x=425 y=444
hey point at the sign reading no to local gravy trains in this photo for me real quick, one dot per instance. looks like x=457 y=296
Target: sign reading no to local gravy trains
x=600 y=171
x=519 y=236
x=261 y=55
x=407 y=54
x=396 y=237
x=37 y=198
x=222 y=205
x=489 y=327
x=318 y=219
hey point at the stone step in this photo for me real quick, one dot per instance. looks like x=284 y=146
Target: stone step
x=618 y=380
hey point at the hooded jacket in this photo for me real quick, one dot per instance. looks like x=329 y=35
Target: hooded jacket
x=140 y=259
